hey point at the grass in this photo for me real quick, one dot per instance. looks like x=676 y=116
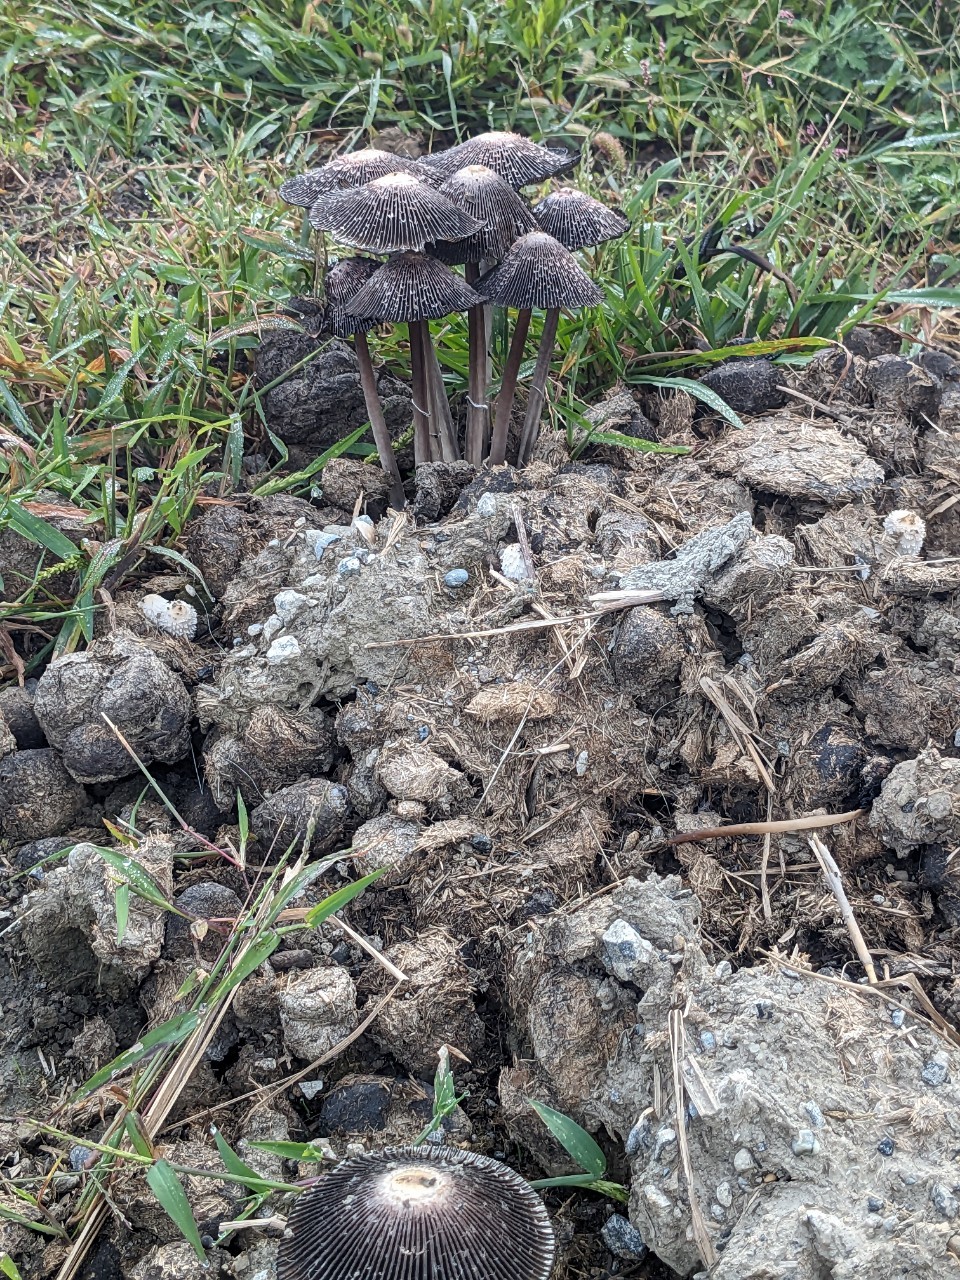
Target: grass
x=144 y=246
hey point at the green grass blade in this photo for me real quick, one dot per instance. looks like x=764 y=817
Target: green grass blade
x=166 y=1186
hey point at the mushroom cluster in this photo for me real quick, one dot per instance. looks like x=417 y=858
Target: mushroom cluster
x=456 y=208
x=418 y=1213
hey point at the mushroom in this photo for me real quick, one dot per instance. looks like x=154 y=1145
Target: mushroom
x=354 y=169
x=343 y=282
x=485 y=196
x=577 y=220
x=390 y=214
x=517 y=160
x=415 y=288
x=537 y=272
x=418 y=1213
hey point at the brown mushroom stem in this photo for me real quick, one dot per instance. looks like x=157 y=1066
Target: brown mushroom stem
x=421 y=410
x=378 y=424
x=441 y=419
x=538 y=387
x=508 y=389
x=478 y=408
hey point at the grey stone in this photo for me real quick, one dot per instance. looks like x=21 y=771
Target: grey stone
x=626 y=953
x=456 y=578
x=622 y=1238
x=805 y=1143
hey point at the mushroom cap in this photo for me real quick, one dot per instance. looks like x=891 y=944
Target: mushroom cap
x=577 y=220
x=354 y=169
x=539 y=272
x=342 y=283
x=484 y=195
x=518 y=160
x=390 y=214
x=412 y=286
x=418 y=1213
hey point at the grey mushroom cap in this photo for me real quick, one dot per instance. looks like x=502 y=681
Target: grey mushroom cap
x=354 y=169
x=518 y=160
x=485 y=196
x=413 y=286
x=577 y=220
x=342 y=283
x=538 y=272
x=391 y=214
x=418 y=1213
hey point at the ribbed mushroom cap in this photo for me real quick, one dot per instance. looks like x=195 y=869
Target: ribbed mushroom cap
x=391 y=214
x=418 y=1213
x=577 y=220
x=411 y=286
x=485 y=196
x=517 y=160
x=354 y=169
x=342 y=283
x=539 y=272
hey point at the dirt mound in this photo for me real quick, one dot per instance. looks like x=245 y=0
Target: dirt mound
x=592 y=719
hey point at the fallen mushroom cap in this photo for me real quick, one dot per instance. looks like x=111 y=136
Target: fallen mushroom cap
x=518 y=160
x=539 y=272
x=418 y=1213
x=390 y=214
x=355 y=169
x=577 y=220
x=412 y=286
x=484 y=195
x=342 y=283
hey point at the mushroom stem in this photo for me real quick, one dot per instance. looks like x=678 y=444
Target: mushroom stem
x=478 y=409
x=421 y=411
x=538 y=387
x=381 y=435
x=508 y=388
x=441 y=419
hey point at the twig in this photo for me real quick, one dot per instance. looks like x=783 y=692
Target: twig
x=761 y=828
x=834 y=879
x=764 y=863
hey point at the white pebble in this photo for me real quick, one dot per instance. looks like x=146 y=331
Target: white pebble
x=283 y=649
x=288 y=604
x=174 y=617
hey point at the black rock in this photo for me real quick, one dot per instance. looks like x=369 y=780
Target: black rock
x=359 y=1104
x=748 y=386
x=870 y=341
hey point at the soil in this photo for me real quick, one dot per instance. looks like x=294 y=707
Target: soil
x=531 y=701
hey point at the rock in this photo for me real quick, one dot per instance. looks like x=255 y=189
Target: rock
x=622 y=1238
x=358 y=1104
x=122 y=679
x=387 y=841
x=898 y=385
x=177 y=1261
x=17 y=713
x=205 y=900
x=646 y=650
x=748 y=386
x=318 y=1009
x=412 y=772
x=797 y=459
x=456 y=578
x=314 y=812
x=433 y=1008
x=627 y=954
x=322 y=401
x=749 y=1099
x=438 y=486
x=919 y=803
x=38 y=797
x=346 y=481
x=79 y=897
x=274 y=749
x=870 y=341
